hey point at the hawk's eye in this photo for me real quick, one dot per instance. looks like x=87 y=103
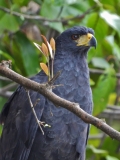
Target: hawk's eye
x=75 y=36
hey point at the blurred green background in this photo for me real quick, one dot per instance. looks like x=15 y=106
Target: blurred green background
x=23 y=21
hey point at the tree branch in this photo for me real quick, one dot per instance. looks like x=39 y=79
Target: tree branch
x=36 y=17
x=73 y=107
x=6 y=94
x=99 y=71
x=8 y=87
x=5 y=79
x=32 y=107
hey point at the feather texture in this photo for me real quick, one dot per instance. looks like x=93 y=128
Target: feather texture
x=66 y=138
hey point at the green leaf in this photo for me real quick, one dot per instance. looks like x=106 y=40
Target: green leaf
x=101 y=92
x=57 y=26
x=93 y=131
x=92 y=82
x=110 y=2
x=107 y=47
x=6 y=56
x=109 y=7
x=100 y=62
x=113 y=147
x=8 y=22
x=111 y=19
x=115 y=46
x=61 y=2
x=99 y=26
x=49 y=10
x=70 y=11
x=112 y=98
x=25 y=55
x=97 y=151
x=94 y=52
x=21 y=2
x=111 y=158
x=3 y=4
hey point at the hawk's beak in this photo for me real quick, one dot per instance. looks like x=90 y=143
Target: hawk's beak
x=87 y=40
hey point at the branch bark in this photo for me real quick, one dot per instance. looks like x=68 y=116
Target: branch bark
x=73 y=107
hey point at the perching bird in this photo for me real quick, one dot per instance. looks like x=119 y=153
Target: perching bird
x=66 y=139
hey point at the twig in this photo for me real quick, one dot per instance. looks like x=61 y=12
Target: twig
x=110 y=113
x=32 y=107
x=94 y=137
x=73 y=107
x=5 y=79
x=52 y=81
x=6 y=63
x=99 y=71
x=6 y=94
x=8 y=87
x=113 y=107
x=36 y=17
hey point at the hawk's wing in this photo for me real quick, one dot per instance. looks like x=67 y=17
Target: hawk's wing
x=19 y=123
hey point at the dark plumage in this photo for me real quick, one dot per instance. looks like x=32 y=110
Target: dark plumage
x=66 y=138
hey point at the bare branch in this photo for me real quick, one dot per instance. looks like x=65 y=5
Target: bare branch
x=108 y=113
x=6 y=94
x=73 y=107
x=36 y=17
x=32 y=107
x=5 y=79
x=99 y=71
x=94 y=137
x=113 y=107
x=8 y=87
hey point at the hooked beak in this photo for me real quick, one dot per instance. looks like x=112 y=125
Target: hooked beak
x=87 y=40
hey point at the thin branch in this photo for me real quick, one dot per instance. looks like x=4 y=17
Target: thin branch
x=4 y=91
x=99 y=71
x=5 y=79
x=97 y=136
x=6 y=94
x=32 y=107
x=73 y=107
x=36 y=17
x=110 y=113
x=113 y=107
x=8 y=87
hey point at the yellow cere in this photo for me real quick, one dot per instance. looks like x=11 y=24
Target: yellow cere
x=84 y=40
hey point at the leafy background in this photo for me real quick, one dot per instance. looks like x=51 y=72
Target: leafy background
x=23 y=21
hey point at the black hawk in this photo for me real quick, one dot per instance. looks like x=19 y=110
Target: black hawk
x=66 y=139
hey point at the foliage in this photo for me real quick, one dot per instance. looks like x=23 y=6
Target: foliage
x=17 y=34
x=48 y=50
